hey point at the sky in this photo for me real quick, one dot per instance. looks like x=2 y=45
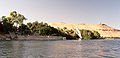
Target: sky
x=68 y=11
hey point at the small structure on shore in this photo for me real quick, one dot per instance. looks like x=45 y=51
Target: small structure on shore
x=64 y=38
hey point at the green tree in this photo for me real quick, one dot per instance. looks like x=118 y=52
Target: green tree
x=35 y=27
x=45 y=31
x=87 y=34
x=17 y=18
x=70 y=31
x=23 y=29
x=20 y=18
x=65 y=28
x=29 y=25
x=13 y=13
x=1 y=27
x=96 y=34
x=7 y=24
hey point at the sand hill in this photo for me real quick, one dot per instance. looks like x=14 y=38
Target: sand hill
x=103 y=29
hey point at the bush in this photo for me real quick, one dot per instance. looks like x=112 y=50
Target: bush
x=1 y=27
x=87 y=34
x=96 y=35
x=45 y=31
x=69 y=32
x=65 y=28
x=23 y=29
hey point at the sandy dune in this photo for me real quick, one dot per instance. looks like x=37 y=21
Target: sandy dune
x=103 y=29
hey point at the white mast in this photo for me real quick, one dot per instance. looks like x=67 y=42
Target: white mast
x=78 y=33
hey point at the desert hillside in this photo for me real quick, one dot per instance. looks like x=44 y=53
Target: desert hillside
x=103 y=29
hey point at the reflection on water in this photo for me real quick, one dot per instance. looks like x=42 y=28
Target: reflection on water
x=60 y=49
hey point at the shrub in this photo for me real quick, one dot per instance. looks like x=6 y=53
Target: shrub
x=23 y=29
x=96 y=34
x=87 y=34
x=1 y=27
x=65 y=28
x=70 y=31
x=45 y=31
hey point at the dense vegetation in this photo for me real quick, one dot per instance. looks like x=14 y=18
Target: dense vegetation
x=41 y=28
x=87 y=34
x=14 y=23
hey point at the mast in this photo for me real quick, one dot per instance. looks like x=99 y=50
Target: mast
x=78 y=33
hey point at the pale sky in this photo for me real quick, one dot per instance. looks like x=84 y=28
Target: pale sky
x=68 y=11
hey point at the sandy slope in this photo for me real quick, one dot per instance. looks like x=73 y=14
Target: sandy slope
x=103 y=29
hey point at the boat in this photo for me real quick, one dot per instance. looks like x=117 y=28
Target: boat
x=78 y=33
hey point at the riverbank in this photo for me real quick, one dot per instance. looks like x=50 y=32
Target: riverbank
x=41 y=38
x=33 y=37
x=29 y=37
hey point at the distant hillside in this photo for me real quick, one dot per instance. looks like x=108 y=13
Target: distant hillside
x=104 y=30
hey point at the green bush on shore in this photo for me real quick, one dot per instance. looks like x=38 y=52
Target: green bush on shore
x=45 y=31
x=87 y=34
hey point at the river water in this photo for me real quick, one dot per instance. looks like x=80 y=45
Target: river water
x=60 y=49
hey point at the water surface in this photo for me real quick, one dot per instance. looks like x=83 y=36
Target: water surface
x=60 y=49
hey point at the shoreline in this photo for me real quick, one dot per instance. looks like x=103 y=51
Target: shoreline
x=40 y=38
x=30 y=37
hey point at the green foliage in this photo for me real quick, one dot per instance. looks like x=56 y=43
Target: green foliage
x=96 y=35
x=17 y=18
x=1 y=27
x=7 y=24
x=35 y=26
x=70 y=31
x=45 y=31
x=42 y=28
x=65 y=28
x=87 y=34
x=76 y=36
x=29 y=24
x=23 y=29
x=13 y=13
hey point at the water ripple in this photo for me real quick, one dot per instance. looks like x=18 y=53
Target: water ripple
x=60 y=49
